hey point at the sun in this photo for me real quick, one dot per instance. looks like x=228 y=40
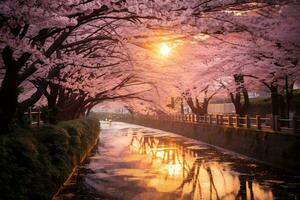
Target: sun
x=165 y=49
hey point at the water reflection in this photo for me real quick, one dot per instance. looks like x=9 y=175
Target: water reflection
x=187 y=173
x=138 y=163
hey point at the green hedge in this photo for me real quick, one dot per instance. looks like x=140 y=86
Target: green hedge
x=35 y=162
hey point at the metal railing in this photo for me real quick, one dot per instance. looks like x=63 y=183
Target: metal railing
x=271 y=123
x=34 y=117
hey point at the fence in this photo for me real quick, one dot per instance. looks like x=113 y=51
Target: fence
x=34 y=117
x=271 y=123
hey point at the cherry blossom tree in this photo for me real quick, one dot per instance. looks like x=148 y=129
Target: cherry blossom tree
x=33 y=34
x=84 y=52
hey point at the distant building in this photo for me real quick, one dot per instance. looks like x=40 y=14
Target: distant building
x=253 y=95
x=221 y=108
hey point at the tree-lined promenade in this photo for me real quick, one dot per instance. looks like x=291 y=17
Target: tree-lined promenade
x=61 y=60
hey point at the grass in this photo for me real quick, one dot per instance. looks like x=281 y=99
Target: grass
x=34 y=163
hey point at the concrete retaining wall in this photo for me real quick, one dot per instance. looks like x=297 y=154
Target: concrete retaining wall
x=278 y=149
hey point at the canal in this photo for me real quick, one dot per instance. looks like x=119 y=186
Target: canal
x=138 y=163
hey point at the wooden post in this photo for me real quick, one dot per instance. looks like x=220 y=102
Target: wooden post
x=295 y=125
x=221 y=120
x=275 y=123
x=210 y=119
x=258 y=122
x=229 y=120
x=30 y=115
x=217 y=119
x=237 y=122
x=247 y=119
x=39 y=118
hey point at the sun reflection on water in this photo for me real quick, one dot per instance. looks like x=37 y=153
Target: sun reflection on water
x=181 y=170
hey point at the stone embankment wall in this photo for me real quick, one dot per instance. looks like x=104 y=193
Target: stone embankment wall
x=278 y=149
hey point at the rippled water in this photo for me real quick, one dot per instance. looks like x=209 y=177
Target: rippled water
x=138 y=163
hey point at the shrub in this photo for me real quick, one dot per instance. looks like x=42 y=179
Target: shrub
x=34 y=163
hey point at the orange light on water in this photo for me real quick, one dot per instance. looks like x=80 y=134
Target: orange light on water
x=174 y=169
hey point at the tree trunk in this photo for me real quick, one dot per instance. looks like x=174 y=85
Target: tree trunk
x=282 y=106
x=246 y=105
x=236 y=100
x=241 y=108
x=52 y=99
x=197 y=108
x=192 y=106
x=8 y=91
x=181 y=108
x=287 y=96
x=69 y=109
x=205 y=106
x=274 y=100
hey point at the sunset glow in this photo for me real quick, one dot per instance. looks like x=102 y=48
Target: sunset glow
x=165 y=49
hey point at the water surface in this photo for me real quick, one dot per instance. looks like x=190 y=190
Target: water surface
x=138 y=163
